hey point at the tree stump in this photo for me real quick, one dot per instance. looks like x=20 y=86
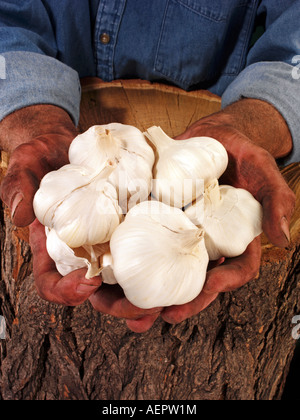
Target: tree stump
x=240 y=347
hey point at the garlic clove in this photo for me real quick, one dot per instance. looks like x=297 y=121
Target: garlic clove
x=231 y=218
x=161 y=213
x=183 y=168
x=55 y=186
x=87 y=218
x=79 y=204
x=159 y=259
x=68 y=259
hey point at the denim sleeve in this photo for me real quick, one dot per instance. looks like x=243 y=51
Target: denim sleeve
x=31 y=78
x=30 y=71
x=271 y=74
x=273 y=83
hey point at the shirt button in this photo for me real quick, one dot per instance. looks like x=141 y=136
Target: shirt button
x=104 y=38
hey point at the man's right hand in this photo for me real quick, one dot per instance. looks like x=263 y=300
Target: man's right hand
x=37 y=139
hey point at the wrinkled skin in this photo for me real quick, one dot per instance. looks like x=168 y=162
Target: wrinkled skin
x=251 y=166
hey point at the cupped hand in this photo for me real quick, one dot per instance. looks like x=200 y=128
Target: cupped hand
x=110 y=299
x=28 y=163
x=227 y=276
x=72 y=289
x=253 y=168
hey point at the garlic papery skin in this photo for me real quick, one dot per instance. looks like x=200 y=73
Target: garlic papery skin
x=80 y=204
x=125 y=143
x=183 y=168
x=158 y=256
x=68 y=260
x=232 y=218
x=107 y=272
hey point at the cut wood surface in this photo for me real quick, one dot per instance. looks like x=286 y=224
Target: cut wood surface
x=240 y=347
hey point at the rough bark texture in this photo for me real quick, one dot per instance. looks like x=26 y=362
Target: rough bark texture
x=238 y=348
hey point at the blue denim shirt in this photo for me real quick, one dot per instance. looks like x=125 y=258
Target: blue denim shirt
x=48 y=45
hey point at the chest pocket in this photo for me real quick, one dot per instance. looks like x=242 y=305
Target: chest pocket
x=202 y=39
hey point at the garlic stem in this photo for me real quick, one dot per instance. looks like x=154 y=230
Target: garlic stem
x=106 y=142
x=107 y=272
x=105 y=171
x=158 y=138
x=212 y=193
x=189 y=239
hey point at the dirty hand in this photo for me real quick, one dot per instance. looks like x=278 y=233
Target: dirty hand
x=37 y=139
x=251 y=149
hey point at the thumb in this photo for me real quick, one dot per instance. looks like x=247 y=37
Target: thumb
x=17 y=191
x=278 y=207
x=72 y=289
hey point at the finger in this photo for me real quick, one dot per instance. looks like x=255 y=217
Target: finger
x=263 y=179
x=231 y=274
x=17 y=192
x=142 y=324
x=70 y=290
x=278 y=207
x=235 y=272
x=110 y=299
x=178 y=313
x=28 y=164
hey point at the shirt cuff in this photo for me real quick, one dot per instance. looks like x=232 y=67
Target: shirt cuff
x=275 y=83
x=28 y=78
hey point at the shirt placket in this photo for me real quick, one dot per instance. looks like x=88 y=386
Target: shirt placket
x=107 y=25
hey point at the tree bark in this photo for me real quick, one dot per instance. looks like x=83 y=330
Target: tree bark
x=240 y=347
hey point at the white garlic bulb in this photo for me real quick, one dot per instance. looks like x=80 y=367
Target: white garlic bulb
x=231 y=218
x=158 y=256
x=79 y=204
x=183 y=168
x=67 y=259
x=135 y=158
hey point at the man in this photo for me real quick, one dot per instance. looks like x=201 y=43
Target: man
x=48 y=45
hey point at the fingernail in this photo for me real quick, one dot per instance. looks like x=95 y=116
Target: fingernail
x=17 y=200
x=285 y=228
x=86 y=288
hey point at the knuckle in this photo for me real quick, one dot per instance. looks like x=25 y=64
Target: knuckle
x=174 y=315
x=10 y=184
x=251 y=272
x=288 y=199
x=43 y=292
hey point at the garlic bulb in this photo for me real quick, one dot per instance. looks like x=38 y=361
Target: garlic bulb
x=135 y=158
x=68 y=259
x=158 y=256
x=79 y=204
x=232 y=218
x=183 y=168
